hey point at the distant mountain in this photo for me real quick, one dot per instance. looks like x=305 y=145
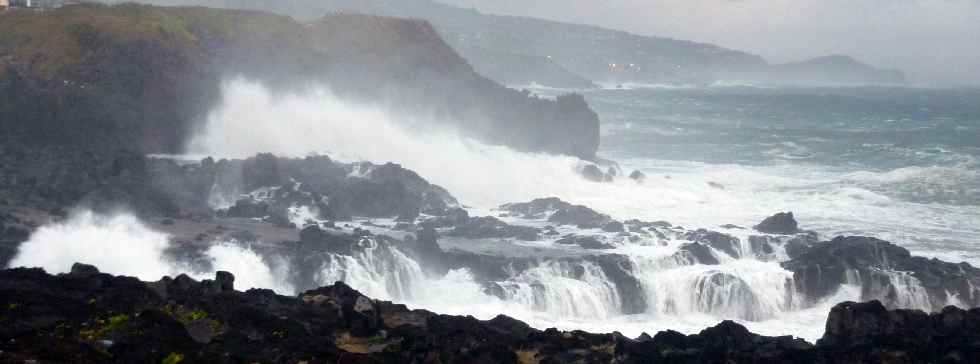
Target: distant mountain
x=831 y=70
x=521 y=50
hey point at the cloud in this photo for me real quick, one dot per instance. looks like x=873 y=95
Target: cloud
x=935 y=41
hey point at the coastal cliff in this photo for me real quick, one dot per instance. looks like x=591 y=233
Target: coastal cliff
x=143 y=78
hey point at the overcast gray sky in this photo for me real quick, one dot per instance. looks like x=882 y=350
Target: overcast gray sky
x=934 y=41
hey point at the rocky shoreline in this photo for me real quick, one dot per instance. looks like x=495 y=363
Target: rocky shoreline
x=87 y=316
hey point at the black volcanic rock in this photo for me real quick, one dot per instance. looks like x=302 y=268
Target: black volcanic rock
x=697 y=253
x=559 y=212
x=869 y=333
x=587 y=242
x=491 y=227
x=536 y=209
x=781 y=223
x=580 y=216
x=722 y=242
x=99 y=317
x=823 y=267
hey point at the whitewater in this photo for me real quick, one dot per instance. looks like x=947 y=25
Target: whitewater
x=694 y=192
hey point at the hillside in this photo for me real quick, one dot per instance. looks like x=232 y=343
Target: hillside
x=142 y=78
x=597 y=54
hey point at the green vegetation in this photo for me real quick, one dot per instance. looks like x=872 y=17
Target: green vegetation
x=173 y=358
x=100 y=328
x=185 y=316
x=74 y=33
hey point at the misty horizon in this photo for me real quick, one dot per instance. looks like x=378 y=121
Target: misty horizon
x=936 y=43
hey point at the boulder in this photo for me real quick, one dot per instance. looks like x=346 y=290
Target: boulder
x=782 y=223
x=592 y=173
x=83 y=269
x=638 y=176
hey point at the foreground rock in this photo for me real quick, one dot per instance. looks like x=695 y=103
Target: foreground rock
x=87 y=316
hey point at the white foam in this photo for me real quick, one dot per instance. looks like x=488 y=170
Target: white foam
x=121 y=244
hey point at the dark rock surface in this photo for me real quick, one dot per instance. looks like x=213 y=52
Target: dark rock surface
x=782 y=223
x=491 y=227
x=587 y=242
x=559 y=212
x=721 y=242
x=823 y=267
x=96 y=317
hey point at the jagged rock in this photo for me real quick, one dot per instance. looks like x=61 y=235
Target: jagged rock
x=799 y=244
x=697 y=253
x=781 y=223
x=339 y=324
x=587 y=242
x=761 y=245
x=536 y=209
x=83 y=269
x=224 y=281
x=613 y=227
x=580 y=216
x=491 y=227
x=822 y=268
x=868 y=332
x=722 y=242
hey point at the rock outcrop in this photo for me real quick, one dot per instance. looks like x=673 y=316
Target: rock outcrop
x=135 y=77
x=782 y=223
x=885 y=271
x=88 y=316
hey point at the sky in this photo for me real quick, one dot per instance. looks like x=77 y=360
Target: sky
x=936 y=42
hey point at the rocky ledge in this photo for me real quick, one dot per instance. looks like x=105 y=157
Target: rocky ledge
x=87 y=316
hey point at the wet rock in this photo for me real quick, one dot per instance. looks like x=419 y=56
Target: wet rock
x=722 y=242
x=716 y=185
x=613 y=227
x=697 y=253
x=782 y=223
x=540 y=208
x=491 y=227
x=592 y=173
x=878 y=266
x=587 y=242
x=798 y=245
x=638 y=176
x=761 y=245
x=580 y=216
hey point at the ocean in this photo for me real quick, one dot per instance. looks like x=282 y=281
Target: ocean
x=897 y=164
x=902 y=164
